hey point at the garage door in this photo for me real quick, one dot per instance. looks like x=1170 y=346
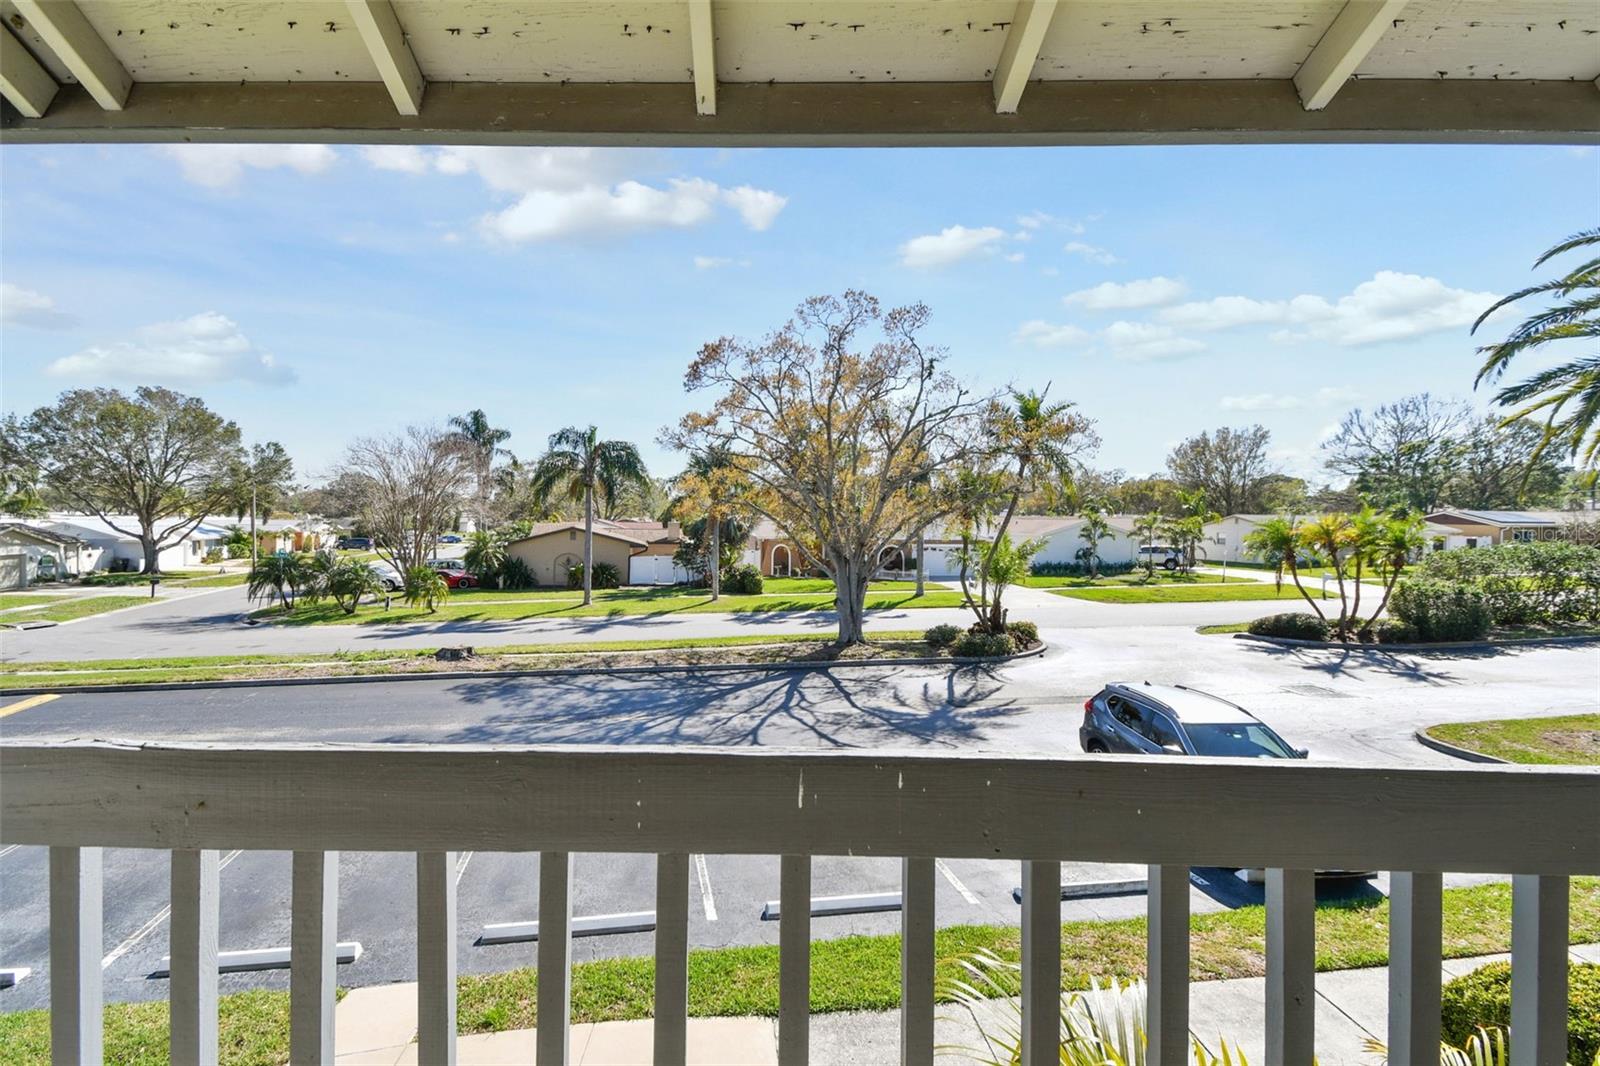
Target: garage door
x=13 y=571
x=655 y=570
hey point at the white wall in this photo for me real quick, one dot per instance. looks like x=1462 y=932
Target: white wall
x=1063 y=546
x=1231 y=531
x=655 y=570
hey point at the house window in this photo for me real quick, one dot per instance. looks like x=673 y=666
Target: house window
x=1522 y=536
x=572 y=534
x=1222 y=539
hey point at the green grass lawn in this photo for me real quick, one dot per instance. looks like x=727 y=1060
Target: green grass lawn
x=89 y=673
x=10 y=600
x=1162 y=579
x=1572 y=740
x=217 y=580
x=1251 y=590
x=104 y=578
x=1226 y=627
x=484 y=607
x=77 y=607
x=851 y=973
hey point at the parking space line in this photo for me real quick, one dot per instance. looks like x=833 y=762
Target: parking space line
x=8 y=850
x=31 y=701
x=955 y=882
x=704 y=876
x=154 y=923
x=461 y=865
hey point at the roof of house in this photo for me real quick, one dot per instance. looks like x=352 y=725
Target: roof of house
x=1503 y=518
x=602 y=528
x=40 y=533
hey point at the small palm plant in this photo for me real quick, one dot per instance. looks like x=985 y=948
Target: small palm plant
x=485 y=556
x=1567 y=394
x=425 y=587
x=1094 y=529
x=281 y=575
x=1278 y=541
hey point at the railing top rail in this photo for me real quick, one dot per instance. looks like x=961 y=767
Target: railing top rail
x=720 y=801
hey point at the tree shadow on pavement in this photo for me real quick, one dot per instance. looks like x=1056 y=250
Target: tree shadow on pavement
x=1358 y=664
x=798 y=708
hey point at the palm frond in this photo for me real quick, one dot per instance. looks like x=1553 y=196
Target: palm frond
x=1581 y=239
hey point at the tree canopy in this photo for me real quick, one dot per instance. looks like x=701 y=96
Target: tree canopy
x=1230 y=466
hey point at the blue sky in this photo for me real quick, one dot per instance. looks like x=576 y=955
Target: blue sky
x=316 y=294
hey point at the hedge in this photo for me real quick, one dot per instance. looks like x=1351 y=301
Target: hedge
x=1483 y=998
x=1541 y=583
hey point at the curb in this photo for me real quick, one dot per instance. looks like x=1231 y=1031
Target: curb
x=467 y=675
x=1450 y=749
x=1454 y=645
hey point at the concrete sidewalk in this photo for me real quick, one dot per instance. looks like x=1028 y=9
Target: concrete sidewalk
x=378 y=1026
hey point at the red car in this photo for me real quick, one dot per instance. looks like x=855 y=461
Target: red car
x=454 y=574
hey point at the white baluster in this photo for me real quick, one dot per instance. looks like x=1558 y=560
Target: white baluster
x=794 y=960
x=555 y=957
x=436 y=958
x=672 y=959
x=192 y=940
x=313 y=955
x=916 y=961
x=76 y=996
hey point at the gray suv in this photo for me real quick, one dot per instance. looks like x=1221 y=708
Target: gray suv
x=1146 y=719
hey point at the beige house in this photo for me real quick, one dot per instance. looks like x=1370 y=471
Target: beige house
x=554 y=548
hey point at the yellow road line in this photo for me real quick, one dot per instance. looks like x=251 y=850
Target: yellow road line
x=31 y=701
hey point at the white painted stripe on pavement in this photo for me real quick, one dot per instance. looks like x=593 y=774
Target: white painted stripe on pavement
x=9 y=978
x=705 y=887
x=345 y=952
x=461 y=865
x=592 y=925
x=955 y=882
x=8 y=850
x=154 y=923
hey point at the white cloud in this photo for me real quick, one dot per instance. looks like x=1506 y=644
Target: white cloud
x=1015 y=257
x=205 y=349
x=1326 y=396
x=1112 y=296
x=24 y=307
x=219 y=166
x=1141 y=342
x=406 y=158
x=1093 y=253
x=950 y=245
x=713 y=262
x=627 y=207
x=758 y=207
x=1035 y=220
x=1392 y=306
x=1043 y=334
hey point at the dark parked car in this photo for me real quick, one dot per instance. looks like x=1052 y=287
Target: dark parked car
x=1148 y=719
x=354 y=544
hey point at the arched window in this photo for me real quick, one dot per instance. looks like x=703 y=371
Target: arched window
x=891 y=558
x=782 y=565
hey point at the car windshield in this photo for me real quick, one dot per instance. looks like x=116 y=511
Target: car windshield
x=1245 y=740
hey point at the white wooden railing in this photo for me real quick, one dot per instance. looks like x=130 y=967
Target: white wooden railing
x=1289 y=817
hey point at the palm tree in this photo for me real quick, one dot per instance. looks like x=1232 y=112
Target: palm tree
x=1041 y=439
x=580 y=466
x=1145 y=527
x=1279 y=541
x=481 y=442
x=1391 y=549
x=280 y=574
x=485 y=555
x=710 y=487
x=1332 y=536
x=1095 y=529
x=1568 y=394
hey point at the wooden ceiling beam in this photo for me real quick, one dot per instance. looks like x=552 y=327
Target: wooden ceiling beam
x=28 y=86
x=1350 y=36
x=386 y=42
x=1020 y=52
x=67 y=33
x=703 y=37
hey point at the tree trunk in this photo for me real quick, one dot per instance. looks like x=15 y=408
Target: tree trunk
x=588 y=545
x=922 y=571
x=850 y=597
x=716 y=557
x=1294 y=573
x=152 y=559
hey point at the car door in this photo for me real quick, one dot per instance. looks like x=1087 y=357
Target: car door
x=1164 y=734
x=1128 y=720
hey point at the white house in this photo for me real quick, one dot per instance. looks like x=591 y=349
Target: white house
x=30 y=553
x=106 y=544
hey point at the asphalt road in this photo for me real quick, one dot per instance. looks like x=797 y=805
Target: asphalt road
x=1351 y=707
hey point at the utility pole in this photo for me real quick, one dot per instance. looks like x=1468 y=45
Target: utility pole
x=252 y=524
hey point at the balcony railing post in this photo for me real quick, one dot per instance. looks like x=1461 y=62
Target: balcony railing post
x=313 y=955
x=1539 y=923
x=436 y=957
x=555 y=957
x=672 y=959
x=1291 y=967
x=1415 y=929
x=916 y=961
x=1167 y=966
x=76 y=999
x=794 y=960
x=192 y=945
x=1041 y=963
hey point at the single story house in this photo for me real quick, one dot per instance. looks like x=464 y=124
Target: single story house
x=111 y=544
x=288 y=534
x=1460 y=528
x=30 y=553
x=552 y=549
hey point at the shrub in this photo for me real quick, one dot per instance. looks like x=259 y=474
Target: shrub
x=514 y=574
x=982 y=645
x=1483 y=997
x=743 y=581
x=424 y=587
x=1293 y=625
x=1441 y=610
x=1539 y=583
x=1023 y=634
x=1393 y=631
x=605 y=576
x=942 y=636
x=1080 y=569
x=214 y=555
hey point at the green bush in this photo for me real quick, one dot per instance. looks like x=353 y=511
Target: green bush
x=424 y=587
x=1293 y=625
x=514 y=574
x=982 y=645
x=743 y=581
x=1441 y=610
x=1483 y=997
x=1023 y=634
x=1541 y=583
x=1393 y=631
x=213 y=555
x=605 y=577
x=1082 y=569
x=942 y=636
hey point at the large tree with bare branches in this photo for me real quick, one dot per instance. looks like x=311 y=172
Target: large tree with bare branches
x=846 y=427
x=408 y=488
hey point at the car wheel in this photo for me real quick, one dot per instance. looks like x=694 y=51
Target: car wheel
x=1170 y=564
x=466 y=583
x=1095 y=747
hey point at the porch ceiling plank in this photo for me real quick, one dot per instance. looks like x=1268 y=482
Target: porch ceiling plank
x=1130 y=809
x=67 y=33
x=28 y=86
x=1335 y=58
x=702 y=37
x=386 y=41
x=825 y=114
x=1020 y=52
